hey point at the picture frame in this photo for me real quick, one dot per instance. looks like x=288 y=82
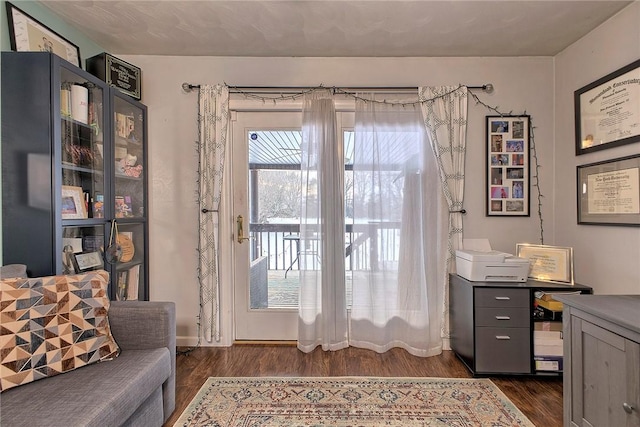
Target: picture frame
x=507 y=166
x=607 y=111
x=86 y=261
x=72 y=205
x=27 y=34
x=608 y=192
x=548 y=263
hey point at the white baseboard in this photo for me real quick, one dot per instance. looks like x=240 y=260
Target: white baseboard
x=191 y=341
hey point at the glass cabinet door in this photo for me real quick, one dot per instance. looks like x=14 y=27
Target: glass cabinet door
x=129 y=275
x=82 y=159
x=82 y=151
x=82 y=249
x=129 y=199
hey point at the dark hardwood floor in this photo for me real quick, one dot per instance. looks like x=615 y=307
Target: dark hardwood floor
x=540 y=399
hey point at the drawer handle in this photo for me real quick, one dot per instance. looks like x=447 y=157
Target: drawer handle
x=503 y=298
x=503 y=318
x=627 y=408
x=503 y=337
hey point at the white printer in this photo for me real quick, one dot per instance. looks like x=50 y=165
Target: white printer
x=482 y=265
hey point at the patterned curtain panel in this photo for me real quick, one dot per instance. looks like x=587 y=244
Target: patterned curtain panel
x=444 y=110
x=213 y=120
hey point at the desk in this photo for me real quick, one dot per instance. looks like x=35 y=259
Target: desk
x=292 y=238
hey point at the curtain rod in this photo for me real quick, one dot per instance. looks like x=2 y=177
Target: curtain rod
x=188 y=87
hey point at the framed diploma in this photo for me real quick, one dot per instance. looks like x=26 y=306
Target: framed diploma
x=609 y=192
x=607 y=111
x=507 y=166
x=548 y=263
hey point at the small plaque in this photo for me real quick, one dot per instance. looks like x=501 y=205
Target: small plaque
x=117 y=73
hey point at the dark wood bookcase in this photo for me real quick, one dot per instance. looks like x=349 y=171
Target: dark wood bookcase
x=74 y=170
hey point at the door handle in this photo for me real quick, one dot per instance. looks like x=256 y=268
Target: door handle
x=240 y=229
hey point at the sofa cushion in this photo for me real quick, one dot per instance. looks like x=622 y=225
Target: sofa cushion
x=50 y=325
x=103 y=394
x=13 y=270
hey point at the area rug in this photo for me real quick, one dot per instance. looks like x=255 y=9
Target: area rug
x=353 y=401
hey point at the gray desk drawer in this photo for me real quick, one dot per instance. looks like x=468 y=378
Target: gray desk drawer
x=501 y=297
x=503 y=350
x=503 y=317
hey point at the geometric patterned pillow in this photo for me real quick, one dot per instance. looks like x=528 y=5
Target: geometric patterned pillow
x=50 y=325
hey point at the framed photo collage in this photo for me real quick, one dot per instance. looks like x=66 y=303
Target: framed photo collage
x=507 y=166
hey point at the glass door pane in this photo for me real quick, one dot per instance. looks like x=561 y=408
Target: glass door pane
x=129 y=270
x=129 y=159
x=82 y=150
x=82 y=249
x=274 y=206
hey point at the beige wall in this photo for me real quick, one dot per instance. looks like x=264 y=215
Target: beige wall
x=607 y=258
x=521 y=84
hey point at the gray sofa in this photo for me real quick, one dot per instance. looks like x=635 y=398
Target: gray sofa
x=135 y=389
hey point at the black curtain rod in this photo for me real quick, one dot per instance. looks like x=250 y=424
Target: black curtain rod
x=188 y=87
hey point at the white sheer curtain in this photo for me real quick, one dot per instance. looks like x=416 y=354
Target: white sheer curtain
x=322 y=310
x=213 y=121
x=444 y=111
x=399 y=216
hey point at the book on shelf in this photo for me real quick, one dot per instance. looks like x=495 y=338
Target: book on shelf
x=548 y=301
x=122 y=285
x=548 y=363
x=552 y=305
x=547 y=326
x=542 y=313
x=134 y=280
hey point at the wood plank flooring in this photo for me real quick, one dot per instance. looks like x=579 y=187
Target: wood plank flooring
x=540 y=399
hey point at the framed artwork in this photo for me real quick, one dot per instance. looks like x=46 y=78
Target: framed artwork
x=86 y=261
x=548 y=263
x=609 y=192
x=28 y=35
x=607 y=111
x=73 y=204
x=507 y=166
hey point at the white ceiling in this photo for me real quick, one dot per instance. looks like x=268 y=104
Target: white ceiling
x=335 y=28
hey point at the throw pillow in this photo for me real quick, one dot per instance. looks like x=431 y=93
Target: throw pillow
x=50 y=325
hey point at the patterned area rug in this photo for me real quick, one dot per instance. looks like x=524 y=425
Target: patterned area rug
x=356 y=401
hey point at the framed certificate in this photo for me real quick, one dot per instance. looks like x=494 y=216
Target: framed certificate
x=609 y=192
x=548 y=263
x=607 y=111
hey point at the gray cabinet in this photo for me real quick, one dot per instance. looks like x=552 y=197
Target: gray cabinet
x=73 y=162
x=492 y=324
x=602 y=360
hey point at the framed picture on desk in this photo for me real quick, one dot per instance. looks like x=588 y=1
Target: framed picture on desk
x=548 y=263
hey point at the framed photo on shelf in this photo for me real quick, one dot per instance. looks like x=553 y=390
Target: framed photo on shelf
x=507 y=166
x=548 y=263
x=73 y=204
x=29 y=35
x=86 y=261
x=609 y=192
x=607 y=111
